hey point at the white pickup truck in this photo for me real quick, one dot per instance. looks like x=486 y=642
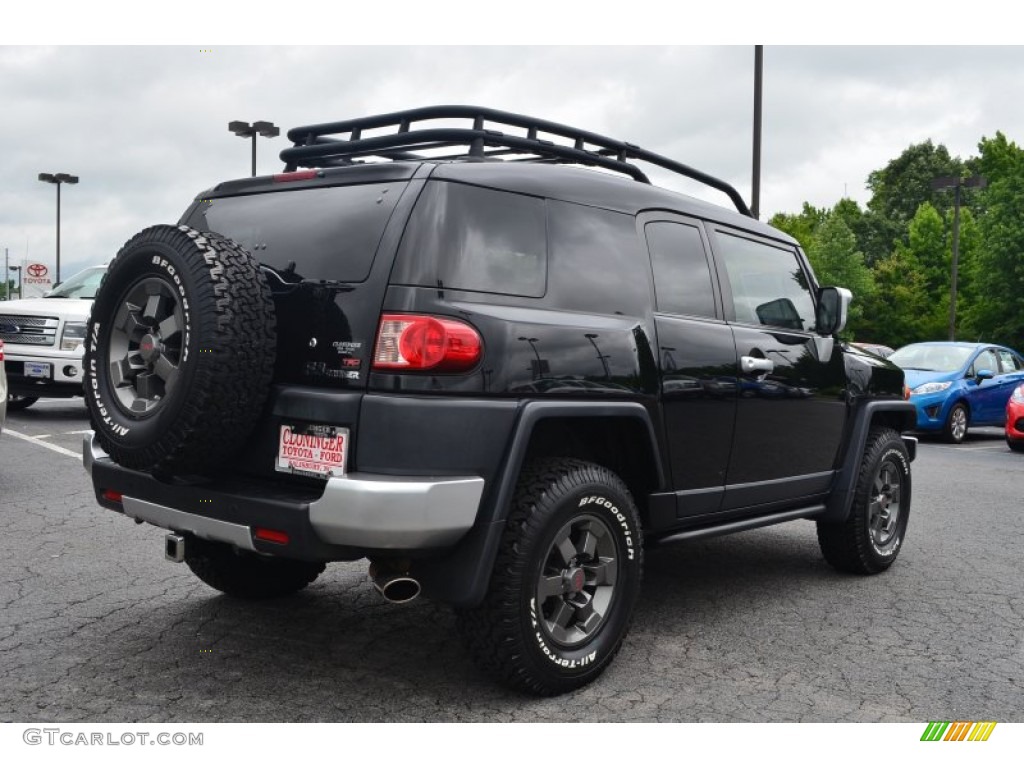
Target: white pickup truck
x=44 y=338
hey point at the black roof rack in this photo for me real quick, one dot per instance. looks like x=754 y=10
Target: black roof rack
x=318 y=145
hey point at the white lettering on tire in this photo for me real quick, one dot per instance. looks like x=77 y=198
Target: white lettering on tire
x=550 y=655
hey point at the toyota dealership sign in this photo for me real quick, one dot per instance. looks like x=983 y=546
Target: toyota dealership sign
x=36 y=279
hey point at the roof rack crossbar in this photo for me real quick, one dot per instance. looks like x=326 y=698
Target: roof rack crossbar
x=311 y=143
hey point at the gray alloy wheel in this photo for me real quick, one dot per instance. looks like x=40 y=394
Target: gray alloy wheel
x=146 y=344
x=956 y=424
x=576 y=587
x=885 y=507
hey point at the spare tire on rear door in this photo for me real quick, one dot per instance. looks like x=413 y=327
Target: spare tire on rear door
x=180 y=351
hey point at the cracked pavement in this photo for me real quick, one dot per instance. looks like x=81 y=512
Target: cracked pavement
x=96 y=626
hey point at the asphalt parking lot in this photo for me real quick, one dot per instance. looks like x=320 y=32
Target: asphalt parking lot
x=97 y=626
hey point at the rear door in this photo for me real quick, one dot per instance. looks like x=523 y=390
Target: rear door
x=697 y=361
x=791 y=408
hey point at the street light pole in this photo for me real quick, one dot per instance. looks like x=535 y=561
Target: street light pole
x=755 y=194
x=245 y=130
x=956 y=184
x=58 y=179
x=18 y=271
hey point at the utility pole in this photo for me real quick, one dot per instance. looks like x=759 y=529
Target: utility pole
x=956 y=184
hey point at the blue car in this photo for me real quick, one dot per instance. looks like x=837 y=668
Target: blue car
x=956 y=385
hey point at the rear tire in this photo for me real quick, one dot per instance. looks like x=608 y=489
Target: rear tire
x=1016 y=445
x=246 y=575
x=565 y=581
x=19 y=402
x=871 y=537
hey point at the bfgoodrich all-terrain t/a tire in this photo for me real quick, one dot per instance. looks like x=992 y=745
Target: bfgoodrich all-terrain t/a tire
x=565 y=581
x=180 y=351
x=871 y=537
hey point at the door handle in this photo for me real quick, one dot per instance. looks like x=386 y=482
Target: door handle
x=756 y=364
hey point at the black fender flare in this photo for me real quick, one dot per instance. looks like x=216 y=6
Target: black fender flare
x=840 y=498
x=462 y=578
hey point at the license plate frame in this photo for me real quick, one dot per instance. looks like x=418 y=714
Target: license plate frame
x=37 y=370
x=312 y=450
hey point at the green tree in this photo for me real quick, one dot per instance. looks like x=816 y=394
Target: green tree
x=800 y=226
x=997 y=314
x=897 y=313
x=833 y=254
x=898 y=190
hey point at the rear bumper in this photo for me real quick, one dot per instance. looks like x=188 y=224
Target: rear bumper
x=347 y=518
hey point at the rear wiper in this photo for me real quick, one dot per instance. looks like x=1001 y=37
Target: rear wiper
x=287 y=286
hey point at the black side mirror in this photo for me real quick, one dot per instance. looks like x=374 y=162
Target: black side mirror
x=833 y=306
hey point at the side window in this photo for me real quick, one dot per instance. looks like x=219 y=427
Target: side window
x=769 y=285
x=1009 y=362
x=475 y=239
x=596 y=261
x=986 y=360
x=682 y=277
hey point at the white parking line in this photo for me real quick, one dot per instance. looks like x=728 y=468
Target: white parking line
x=43 y=443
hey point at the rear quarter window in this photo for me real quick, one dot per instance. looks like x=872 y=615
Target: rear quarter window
x=475 y=239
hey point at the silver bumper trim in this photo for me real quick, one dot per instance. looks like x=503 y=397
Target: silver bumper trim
x=91 y=451
x=391 y=512
x=176 y=520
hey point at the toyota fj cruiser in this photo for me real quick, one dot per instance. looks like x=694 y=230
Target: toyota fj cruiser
x=433 y=343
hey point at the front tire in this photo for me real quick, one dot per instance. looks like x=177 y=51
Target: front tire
x=565 y=581
x=245 y=575
x=871 y=537
x=955 y=429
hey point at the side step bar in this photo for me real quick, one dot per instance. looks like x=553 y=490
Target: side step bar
x=742 y=525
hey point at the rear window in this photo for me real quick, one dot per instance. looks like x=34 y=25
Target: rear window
x=331 y=233
x=475 y=239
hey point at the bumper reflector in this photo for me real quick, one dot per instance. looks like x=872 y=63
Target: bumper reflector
x=268 y=534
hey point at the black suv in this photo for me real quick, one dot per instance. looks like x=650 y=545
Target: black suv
x=432 y=343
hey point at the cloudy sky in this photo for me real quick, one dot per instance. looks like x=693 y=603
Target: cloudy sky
x=145 y=128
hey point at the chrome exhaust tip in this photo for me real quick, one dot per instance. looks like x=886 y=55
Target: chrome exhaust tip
x=174 y=548
x=394 y=584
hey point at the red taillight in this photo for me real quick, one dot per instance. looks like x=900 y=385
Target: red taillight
x=423 y=343
x=269 y=534
x=296 y=176
x=1 y=351
x=906 y=392
x=111 y=495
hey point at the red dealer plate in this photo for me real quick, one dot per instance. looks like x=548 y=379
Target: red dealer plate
x=315 y=449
